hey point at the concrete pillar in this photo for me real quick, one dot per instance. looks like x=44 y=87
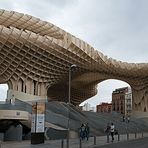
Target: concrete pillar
x=1 y=136
x=43 y=89
x=29 y=86
x=140 y=98
x=19 y=85
x=14 y=133
x=39 y=89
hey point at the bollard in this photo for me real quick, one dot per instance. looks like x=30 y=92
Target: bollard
x=94 y=140
x=135 y=135
x=127 y=136
x=80 y=143
x=62 y=143
x=107 y=137
x=118 y=137
x=142 y=135
x=0 y=144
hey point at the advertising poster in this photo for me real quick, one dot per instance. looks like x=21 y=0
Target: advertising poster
x=33 y=122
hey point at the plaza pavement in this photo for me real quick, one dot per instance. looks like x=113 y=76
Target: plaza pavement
x=101 y=142
x=136 y=143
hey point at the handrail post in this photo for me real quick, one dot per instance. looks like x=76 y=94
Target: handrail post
x=107 y=137
x=62 y=143
x=127 y=136
x=142 y=135
x=135 y=135
x=94 y=140
x=80 y=143
x=118 y=137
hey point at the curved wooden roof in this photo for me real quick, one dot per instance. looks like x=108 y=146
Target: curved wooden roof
x=34 y=49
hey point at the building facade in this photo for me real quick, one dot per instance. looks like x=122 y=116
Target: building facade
x=122 y=100
x=128 y=102
x=104 y=107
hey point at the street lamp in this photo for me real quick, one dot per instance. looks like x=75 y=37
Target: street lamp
x=69 y=100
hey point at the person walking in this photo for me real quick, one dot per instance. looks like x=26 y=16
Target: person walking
x=128 y=119
x=82 y=131
x=112 y=130
x=123 y=118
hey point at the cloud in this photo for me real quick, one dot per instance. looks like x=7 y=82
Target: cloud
x=42 y=9
x=115 y=28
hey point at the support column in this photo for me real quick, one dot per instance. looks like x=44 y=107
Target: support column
x=140 y=102
x=38 y=123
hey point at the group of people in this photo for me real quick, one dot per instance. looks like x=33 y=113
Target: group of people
x=84 y=131
x=127 y=119
x=110 y=130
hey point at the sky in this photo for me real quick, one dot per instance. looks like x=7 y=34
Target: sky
x=117 y=28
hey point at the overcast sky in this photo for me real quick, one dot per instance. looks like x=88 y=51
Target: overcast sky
x=117 y=28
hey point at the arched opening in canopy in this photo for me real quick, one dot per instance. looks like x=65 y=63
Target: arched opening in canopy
x=3 y=92
x=104 y=95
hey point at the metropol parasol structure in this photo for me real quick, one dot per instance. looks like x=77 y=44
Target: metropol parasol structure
x=36 y=56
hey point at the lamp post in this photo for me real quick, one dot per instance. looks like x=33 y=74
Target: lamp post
x=69 y=100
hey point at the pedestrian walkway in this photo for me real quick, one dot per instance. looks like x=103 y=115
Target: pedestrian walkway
x=136 y=143
x=74 y=143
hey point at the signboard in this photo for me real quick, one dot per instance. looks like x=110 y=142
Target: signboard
x=40 y=123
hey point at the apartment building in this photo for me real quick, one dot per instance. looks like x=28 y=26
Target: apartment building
x=122 y=100
x=104 y=107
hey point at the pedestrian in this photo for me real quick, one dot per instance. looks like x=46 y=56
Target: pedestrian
x=87 y=131
x=107 y=131
x=128 y=119
x=123 y=118
x=112 y=130
x=82 y=131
